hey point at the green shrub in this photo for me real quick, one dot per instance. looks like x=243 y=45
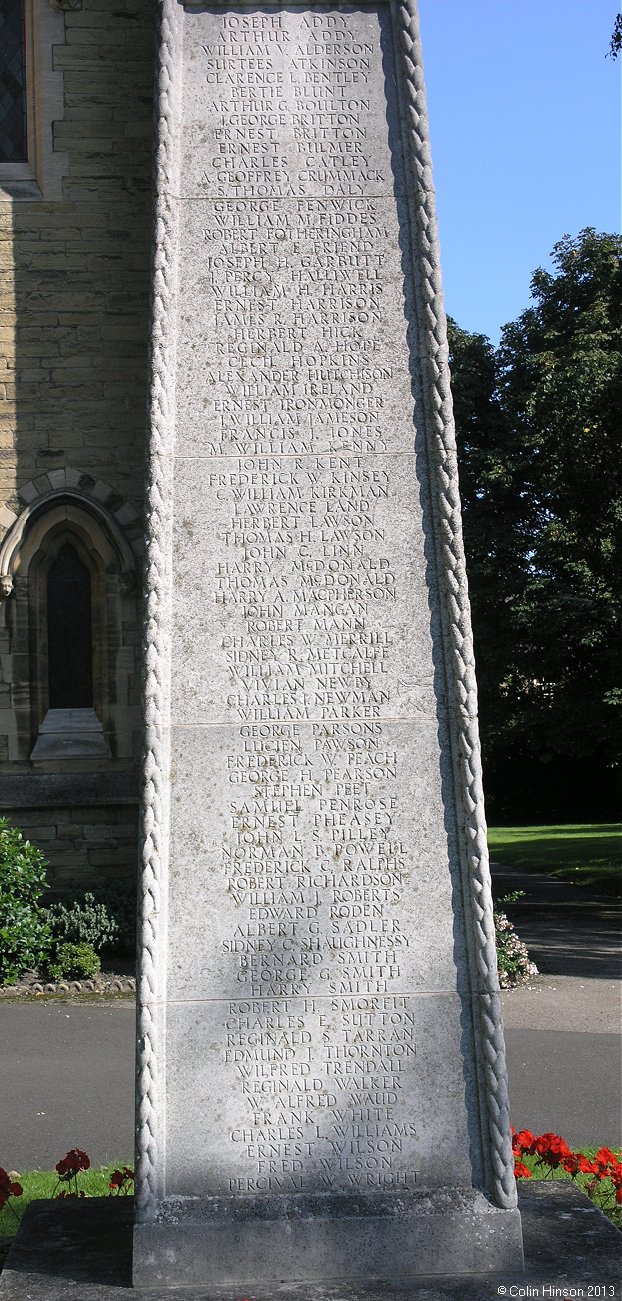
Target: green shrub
x=513 y=962
x=24 y=929
x=104 y=918
x=120 y=900
x=73 y=962
x=85 y=921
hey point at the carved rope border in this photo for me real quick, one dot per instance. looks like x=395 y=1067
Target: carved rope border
x=437 y=397
x=432 y=329
x=150 y=1049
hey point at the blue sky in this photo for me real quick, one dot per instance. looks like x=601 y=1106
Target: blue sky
x=525 y=125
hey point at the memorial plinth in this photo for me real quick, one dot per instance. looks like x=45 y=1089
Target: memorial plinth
x=321 y=1082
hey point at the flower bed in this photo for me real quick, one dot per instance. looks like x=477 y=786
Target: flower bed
x=598 y=1173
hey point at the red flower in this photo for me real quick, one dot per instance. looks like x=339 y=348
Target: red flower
x=70 y=1164
x=526 y=1141
x=615 y=1174
x=606 y=1157
x=587 y=1167
x=8 y=1188
x=552 y=1148
x=119 y=1178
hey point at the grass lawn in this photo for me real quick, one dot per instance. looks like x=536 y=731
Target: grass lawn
x=588 y=853
x=42 y=1184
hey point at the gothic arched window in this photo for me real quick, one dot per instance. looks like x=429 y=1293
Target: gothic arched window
x=13 y=138
x=67 y=574
x=69 y=629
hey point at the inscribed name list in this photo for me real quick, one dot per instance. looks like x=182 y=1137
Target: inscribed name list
x=312 y=956
x=300 y=306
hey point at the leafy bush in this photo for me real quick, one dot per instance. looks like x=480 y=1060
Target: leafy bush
x=85 y=921
x=24 y=929
x=73 y=962
x=120 y=900
x=513 y=961
x=105 y=918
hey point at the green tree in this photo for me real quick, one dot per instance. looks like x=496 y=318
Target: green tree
x=615 y=44
x=539 y=444
x=494 y=514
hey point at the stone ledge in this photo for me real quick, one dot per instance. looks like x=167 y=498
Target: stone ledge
x=339 y=1238
x=102 y=985
x=83 y=1249
x=51 y=790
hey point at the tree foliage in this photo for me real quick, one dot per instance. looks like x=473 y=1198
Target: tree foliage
x=615 y=45
x=24 y=932
x=538 y=424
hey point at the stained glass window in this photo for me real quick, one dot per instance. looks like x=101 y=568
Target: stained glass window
x=12 y=83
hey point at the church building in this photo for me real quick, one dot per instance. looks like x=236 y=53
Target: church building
x=76 y=93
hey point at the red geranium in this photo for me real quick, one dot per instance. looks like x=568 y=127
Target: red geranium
x=8 y=1188
x=552 y=1148
x=521 y=1170
x=587 y=1167
x=602 y=1176
x=120 y=1180
x=524 y=1141
x=69 y=1165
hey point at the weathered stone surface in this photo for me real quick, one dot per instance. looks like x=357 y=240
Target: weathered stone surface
x=328 y=1099
x=308 y=1240
x=64 y=1250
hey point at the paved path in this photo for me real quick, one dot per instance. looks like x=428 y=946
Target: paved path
x=570 y=930
x=564 y=1058
x=66 y=1080
x=563 y=1033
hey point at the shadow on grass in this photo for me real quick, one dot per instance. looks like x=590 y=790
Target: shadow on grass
x=584 y=854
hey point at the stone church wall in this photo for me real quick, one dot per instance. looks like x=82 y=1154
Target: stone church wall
x=74 y=273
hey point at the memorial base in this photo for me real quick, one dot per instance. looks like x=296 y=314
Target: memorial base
x=84 y=1250
x=325 y=1239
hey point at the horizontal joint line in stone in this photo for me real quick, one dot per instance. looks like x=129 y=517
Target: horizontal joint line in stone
x=356 y=718
x=280 y=198
x=284 y=456
x=289 y=998
x=277 y=4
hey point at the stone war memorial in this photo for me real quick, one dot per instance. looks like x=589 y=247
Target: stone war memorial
x=322 y=1092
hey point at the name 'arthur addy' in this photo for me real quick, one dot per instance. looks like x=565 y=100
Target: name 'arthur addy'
x=322 y=1088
